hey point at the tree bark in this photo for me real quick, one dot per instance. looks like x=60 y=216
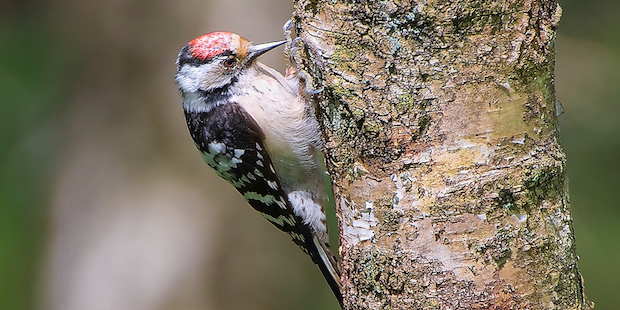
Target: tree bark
x=441 y=131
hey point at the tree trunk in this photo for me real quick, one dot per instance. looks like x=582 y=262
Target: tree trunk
x=440 y=121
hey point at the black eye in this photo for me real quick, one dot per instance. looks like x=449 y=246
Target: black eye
x=230 y=62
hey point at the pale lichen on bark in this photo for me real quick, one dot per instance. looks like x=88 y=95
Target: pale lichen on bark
x=442 y=144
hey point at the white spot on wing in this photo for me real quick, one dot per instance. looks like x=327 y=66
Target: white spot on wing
x=281 y=220
x=281 y=204
x=217 y=148
x=239 y=153
x=278 y=221
x=272 y=184
x=266 y=199
x=208 y=158
x=299 y=237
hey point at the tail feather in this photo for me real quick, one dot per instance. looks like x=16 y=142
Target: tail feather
x=329 y=267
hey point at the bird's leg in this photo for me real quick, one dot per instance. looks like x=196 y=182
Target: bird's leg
x=294 y=50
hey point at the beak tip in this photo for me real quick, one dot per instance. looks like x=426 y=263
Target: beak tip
x=257 y=50
x=262 y=48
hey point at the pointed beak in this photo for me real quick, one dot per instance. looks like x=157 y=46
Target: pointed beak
x=257 y=50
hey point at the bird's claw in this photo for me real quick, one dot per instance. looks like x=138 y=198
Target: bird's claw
x=293 y=51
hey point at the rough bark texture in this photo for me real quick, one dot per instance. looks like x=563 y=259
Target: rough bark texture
x=442 y=144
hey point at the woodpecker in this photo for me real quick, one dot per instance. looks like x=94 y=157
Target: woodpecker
x=255 y=128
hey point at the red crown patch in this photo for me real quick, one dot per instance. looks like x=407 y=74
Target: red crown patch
x=211 y=44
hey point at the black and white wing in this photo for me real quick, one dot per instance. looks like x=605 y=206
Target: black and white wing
x=232 y=144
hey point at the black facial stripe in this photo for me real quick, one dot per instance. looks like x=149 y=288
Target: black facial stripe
x=218 y=94
x=228 y=53
x=186 y=58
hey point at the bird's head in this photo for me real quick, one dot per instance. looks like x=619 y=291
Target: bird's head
x=215 y=60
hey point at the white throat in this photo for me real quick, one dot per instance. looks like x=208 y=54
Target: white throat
x=195 y=102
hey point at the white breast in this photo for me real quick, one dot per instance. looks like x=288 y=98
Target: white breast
x=292 y=138
x=292 y=133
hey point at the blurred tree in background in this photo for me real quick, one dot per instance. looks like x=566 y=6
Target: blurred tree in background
x=105 y=204
x=32 y=81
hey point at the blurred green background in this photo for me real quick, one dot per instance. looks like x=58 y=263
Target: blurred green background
x=97 y=172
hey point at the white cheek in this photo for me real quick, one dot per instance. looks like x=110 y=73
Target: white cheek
x=215 y=80
x=188 y=78
x=203 y=77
